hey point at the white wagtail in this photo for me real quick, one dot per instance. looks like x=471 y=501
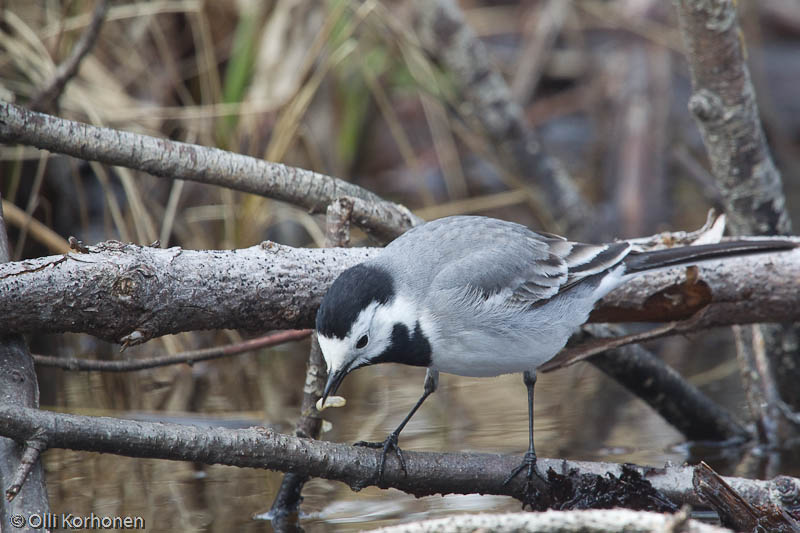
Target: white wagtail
x=477 y=296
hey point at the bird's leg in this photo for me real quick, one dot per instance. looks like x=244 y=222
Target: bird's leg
x=431 y=382
x=529 y=462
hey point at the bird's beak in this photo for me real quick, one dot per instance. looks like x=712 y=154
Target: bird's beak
x=334 y=380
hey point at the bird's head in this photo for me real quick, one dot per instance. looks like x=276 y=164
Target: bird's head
x=363 y=321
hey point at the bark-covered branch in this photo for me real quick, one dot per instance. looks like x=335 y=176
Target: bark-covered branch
x=176 y=160
x=129 y=293
x=679 y=402
x=20 y=390
x=727 y=291
x=428 y=473
x=736 y=512
x=724 y=103
x=587 y=521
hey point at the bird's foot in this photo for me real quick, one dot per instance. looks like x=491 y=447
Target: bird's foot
x=529 y=463
x=389 y=444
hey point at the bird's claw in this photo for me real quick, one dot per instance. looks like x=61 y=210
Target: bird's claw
x=388 y=444
x=529 y=463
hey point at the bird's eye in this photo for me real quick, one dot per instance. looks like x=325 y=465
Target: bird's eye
x=362 y=341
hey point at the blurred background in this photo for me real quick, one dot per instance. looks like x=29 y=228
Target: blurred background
x=342 y=87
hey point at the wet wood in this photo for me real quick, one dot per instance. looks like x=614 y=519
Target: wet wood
x=428 y=473
x=735 y=511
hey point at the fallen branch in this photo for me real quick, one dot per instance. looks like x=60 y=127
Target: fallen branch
x=428 y=473
x=723 y=102
x=590 y=521
x=726 y=290
x=176 y=160
x=20 y=390
x=735 y=511
x=128 y=293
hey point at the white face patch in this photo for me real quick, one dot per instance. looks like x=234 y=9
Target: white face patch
x=377 y=322
x=334 y=351
x=339 y=353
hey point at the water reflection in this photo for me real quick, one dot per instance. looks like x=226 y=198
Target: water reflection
x=580 y=414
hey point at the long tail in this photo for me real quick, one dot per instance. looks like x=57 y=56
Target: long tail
x=640 y=261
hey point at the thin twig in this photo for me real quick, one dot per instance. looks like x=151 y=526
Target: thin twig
x=49 y=94
x=574 y=354
x=33 y=450
x=189 y=357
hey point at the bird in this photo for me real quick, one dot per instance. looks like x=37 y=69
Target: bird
x=479 y=296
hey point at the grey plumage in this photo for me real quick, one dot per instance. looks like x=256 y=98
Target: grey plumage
x=492 y=256
x=477 y=296
x=478 y=284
